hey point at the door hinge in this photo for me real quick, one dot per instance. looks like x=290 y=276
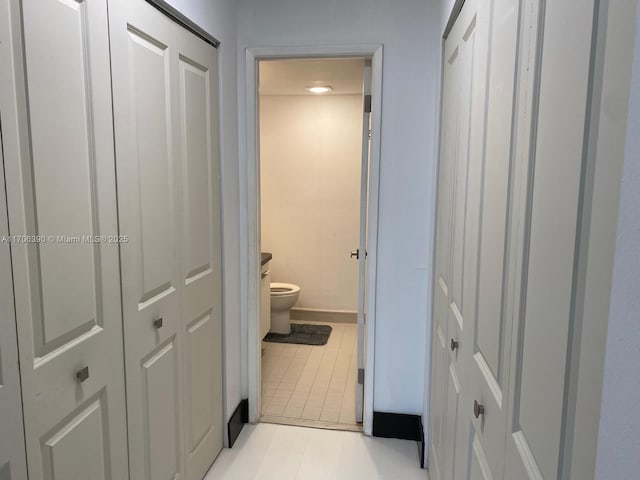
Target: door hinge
x=361 y=376
x=367 y=104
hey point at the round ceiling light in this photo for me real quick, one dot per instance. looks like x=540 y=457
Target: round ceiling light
x=322 y=89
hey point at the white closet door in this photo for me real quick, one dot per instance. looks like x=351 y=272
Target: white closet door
x=200 y=251
x=460 y=172
x=165 y=103
x=13 y=464
x=67 y=292
x=536 y=432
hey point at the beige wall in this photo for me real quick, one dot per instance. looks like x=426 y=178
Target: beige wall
x=310 y=154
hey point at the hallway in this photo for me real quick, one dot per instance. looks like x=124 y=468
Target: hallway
x=266 y=451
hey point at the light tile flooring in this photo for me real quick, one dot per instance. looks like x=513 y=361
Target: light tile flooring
x=312 y=385
x=282 y=452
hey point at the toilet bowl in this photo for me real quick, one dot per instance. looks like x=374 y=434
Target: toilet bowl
x=283 y=297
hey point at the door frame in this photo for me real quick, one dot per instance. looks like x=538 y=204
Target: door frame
x=250 y=225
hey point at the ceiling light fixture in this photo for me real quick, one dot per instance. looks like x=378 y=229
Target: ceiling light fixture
x=318 y=90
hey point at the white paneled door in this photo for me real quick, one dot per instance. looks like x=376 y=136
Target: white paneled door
x=457 y=241
x=165 y=104
x=63 y=222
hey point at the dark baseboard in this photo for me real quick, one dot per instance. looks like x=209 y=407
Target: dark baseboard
x=421 y=444
x=238 y=419
x=400 y=425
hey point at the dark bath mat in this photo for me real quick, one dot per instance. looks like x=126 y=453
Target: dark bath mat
x=302 y=334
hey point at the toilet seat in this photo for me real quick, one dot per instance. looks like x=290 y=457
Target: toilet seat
x=281 y=289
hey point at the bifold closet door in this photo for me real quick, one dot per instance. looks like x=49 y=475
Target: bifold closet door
x=470 y=329
x=165 y=104
x=59 y=156
x=459 y=186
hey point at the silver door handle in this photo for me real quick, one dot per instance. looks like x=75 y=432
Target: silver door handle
x=82 y=374
x=356 y=254
x=264 y=274
x=477 y=409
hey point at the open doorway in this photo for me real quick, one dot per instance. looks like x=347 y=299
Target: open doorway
x=313 y=129
x=255 y=286
x=312 y=204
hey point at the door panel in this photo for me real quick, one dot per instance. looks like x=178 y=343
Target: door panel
x=147 y=165
x=480 y=469
x=67 y=283
x=149 y=90
x=535 y=440
x=68 y=296
x=200 y=391
x=68 y=443
x=201 y=251
x=160 y=381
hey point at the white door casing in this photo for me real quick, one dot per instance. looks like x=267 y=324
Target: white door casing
x=250 y=281
x=59 y=155
x=165 y=97
x=362 y=246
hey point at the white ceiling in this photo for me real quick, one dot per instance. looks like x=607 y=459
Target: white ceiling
x=290 y=77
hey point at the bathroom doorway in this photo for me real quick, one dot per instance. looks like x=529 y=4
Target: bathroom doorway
x=314 y=199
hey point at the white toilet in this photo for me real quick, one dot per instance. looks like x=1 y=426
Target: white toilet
x=283 y=297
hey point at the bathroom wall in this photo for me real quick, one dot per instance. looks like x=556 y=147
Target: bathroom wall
x=218 y=17
x=408 y=30
x=310 y=157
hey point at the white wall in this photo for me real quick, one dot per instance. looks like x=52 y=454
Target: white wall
x=218 y=17
x=408 y=30
x=619 y=437
x=310 y=156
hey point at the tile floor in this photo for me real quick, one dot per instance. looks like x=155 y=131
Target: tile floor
x=266 y=451
x=312 y=385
